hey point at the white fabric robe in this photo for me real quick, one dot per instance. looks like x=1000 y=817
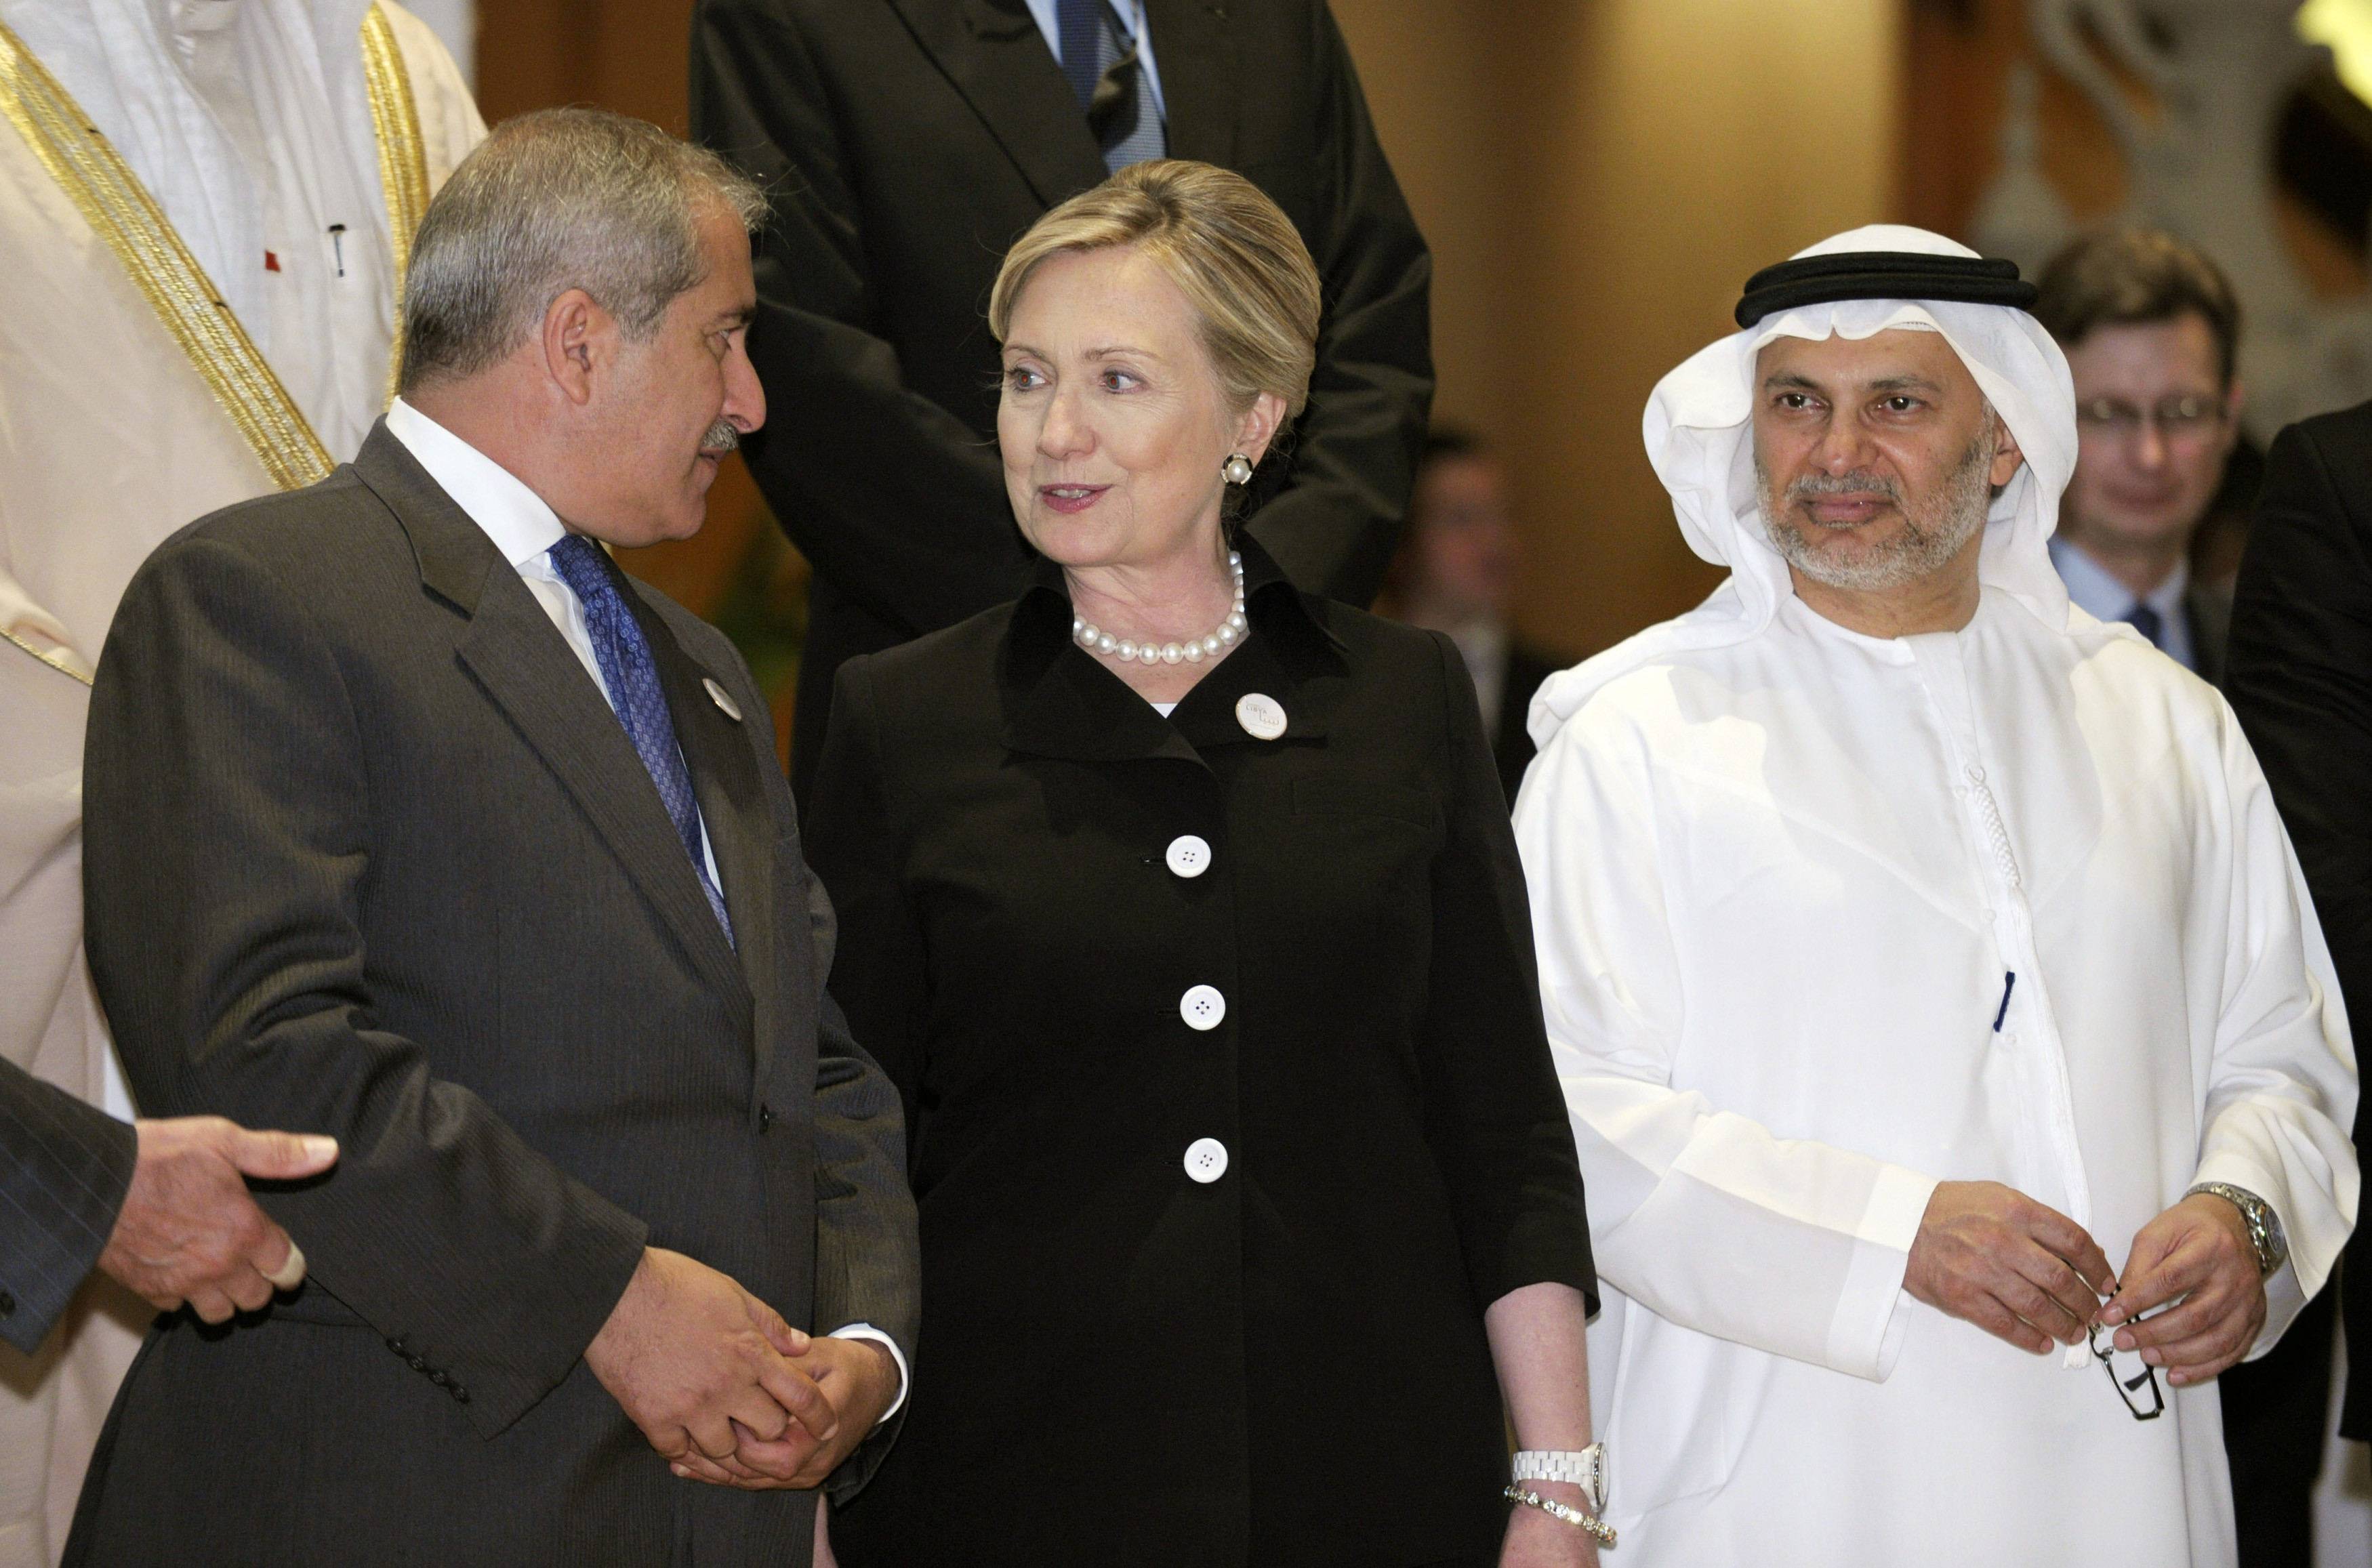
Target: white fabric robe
x=1780 y=873
x=109 y=442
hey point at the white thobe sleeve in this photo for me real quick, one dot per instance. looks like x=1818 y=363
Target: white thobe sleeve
x=450 y=128
x=2281 y=1084
x=1702 y=1216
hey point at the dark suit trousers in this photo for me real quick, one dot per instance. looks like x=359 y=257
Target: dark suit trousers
x=2275 y=1413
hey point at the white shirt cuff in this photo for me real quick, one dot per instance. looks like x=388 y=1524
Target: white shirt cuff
x=867 y=1332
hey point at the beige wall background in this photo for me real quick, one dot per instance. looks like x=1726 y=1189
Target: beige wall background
x=1597 y=178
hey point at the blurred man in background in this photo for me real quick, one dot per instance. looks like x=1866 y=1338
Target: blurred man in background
x=2151 y=328
x=1455 y=573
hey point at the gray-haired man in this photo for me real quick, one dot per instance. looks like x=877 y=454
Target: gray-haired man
x=471 y=858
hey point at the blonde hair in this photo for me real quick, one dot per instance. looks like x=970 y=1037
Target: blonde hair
x=1233 y=255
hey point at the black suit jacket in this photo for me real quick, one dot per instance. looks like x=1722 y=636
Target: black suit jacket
x=368 y=854
x=65 y=1167
x=2210 y=614
x=1127 y=1364
x=1511 y=746
x=908 y=144
x=2298 y=671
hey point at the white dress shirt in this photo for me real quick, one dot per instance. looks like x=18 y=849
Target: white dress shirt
x=1129 y=16
x=2104 y=599
x=525 y=527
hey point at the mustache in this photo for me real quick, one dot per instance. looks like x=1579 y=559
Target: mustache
x=1860 y=481
x=721 y=437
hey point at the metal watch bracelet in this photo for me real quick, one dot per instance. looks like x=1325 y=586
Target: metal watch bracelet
x=2265 y=1236
x=1584 y=1467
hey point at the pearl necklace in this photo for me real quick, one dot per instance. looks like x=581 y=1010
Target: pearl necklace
x=1194 y=650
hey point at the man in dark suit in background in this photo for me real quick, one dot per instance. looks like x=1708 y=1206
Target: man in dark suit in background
x=1455 y=573
x=908 y=143
x=2300 y=678
x=2152 y=333
x=413 y=820
x=159 y=1206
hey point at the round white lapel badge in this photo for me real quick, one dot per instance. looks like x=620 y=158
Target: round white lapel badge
x=1262 y=717
x=716 y=694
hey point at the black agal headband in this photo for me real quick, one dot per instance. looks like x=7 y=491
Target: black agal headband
x=1882 y=274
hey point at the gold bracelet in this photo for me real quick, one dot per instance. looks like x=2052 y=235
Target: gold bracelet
x=1555 y=1510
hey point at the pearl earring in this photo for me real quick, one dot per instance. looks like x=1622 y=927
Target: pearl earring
x=1237 y=469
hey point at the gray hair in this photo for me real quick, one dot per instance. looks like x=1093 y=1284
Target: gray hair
x=560 y=199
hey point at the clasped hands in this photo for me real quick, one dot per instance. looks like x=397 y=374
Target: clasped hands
x=724 y=1388
x=2024 y=1273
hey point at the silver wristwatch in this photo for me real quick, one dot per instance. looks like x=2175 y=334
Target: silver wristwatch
x=1584 y=1467
x=2265 y=1226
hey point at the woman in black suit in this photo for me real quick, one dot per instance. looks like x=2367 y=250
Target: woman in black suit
x=1183 y=909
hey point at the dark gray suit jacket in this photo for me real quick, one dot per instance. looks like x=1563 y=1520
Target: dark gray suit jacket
x=64 y=1168
x=368 y=855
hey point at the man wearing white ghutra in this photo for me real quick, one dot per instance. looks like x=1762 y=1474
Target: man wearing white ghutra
x=1933 y=989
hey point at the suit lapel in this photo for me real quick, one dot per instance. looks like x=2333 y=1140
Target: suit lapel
x=1196 y=55
x=716 y=749
x=995 y=56
x=523 y=664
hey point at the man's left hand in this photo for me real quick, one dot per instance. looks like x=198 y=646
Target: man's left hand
x=2198 y=1252
x=857 y=1376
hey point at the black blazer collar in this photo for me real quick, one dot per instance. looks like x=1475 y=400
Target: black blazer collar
x=993 y=53
x=1061 y=701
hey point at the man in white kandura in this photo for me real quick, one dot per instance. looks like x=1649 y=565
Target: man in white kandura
x=196 y=306
x=1912 y=945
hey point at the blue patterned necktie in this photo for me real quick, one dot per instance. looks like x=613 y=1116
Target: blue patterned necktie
x=1080 y=22
x=633 y=679
x=2148 y=622
x=1101 y=64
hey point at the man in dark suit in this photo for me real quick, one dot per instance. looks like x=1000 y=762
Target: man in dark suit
x=2300 y=678
x=159 y=1206
x=910 y=142
x=415 y=821
x=1455 y=573
x=2152 y=333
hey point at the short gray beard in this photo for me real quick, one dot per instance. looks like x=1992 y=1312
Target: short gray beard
x=721 y=437
x=1932 y=533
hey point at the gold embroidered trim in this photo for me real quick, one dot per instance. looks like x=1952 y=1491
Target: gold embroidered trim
x=53 y=661
x=120 y=211
x=402 y=160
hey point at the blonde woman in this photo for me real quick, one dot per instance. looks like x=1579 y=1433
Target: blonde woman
x=1183 y=909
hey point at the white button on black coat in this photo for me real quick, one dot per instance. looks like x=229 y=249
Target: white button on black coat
x=1202 y=1007
x=1225 y=1078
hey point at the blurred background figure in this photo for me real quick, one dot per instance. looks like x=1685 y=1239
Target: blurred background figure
x=2151 y=331
x=157 y=362
x=1455 y=573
